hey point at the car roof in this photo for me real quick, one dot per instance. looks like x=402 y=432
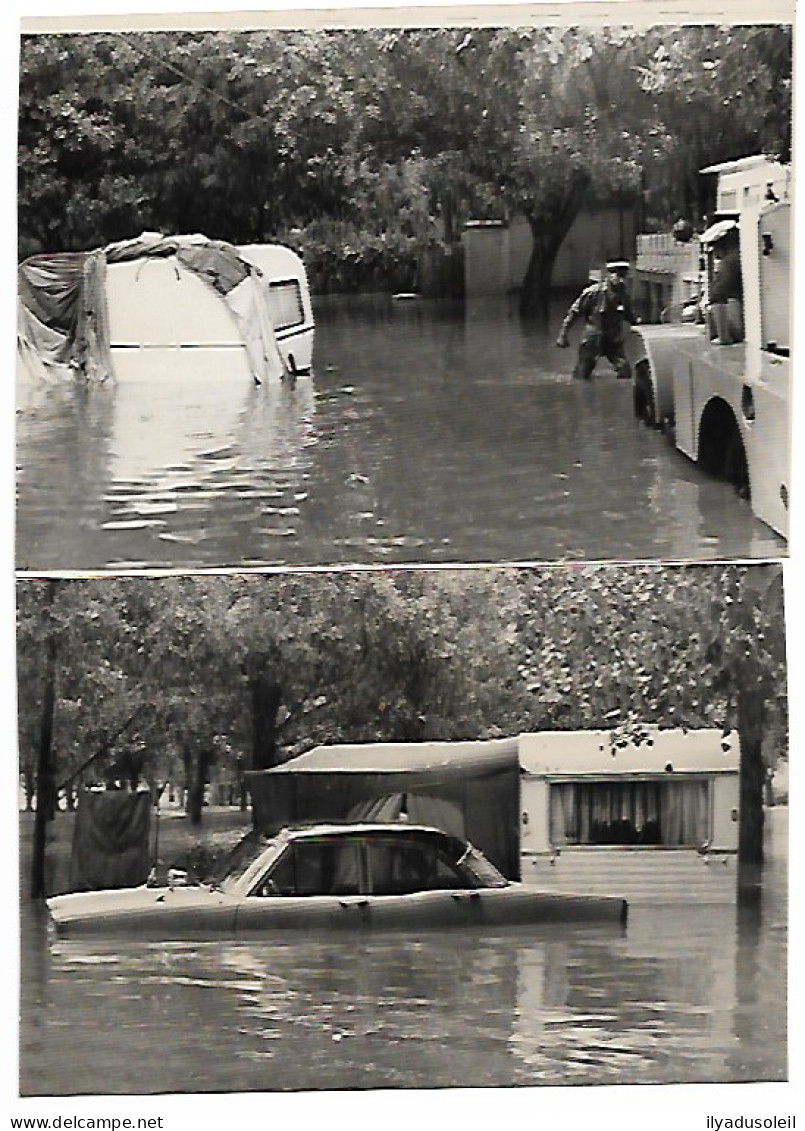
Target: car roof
x=330 y=828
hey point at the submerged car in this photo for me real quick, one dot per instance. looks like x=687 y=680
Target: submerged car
x=330 y=876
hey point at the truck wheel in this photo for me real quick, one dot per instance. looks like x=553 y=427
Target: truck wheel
x=721 y=451
x=736 y=470
x=645 y=408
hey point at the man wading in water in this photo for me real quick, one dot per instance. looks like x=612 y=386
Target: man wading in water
x=607 y=309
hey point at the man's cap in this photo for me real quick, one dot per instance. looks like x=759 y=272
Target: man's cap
x=619 y=265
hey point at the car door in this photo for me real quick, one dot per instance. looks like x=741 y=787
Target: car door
x=180 y=913
x=315 y=883
x=414 y=884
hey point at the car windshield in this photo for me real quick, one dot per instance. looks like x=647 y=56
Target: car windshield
x=482 y=871
x=235 y=863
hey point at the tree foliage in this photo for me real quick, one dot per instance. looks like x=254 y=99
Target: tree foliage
x=362 y=147
x=166 y=678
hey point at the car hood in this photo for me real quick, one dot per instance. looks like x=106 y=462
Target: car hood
x=129 y=901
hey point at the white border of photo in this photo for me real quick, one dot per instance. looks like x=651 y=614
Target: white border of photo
x=668 y=1108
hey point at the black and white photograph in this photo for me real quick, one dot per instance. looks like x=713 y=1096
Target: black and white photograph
x=383 y=295
x=400 y=604
x=403 y=829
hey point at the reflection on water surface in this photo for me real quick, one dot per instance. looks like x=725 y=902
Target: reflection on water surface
x=425 y=434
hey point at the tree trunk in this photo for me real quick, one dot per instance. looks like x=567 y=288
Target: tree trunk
x=44 y=765
x=753 y=776
x=197 y=764
x=195 y=791
x=266 y=696
x=195 y=800
x=548 y=231
x=30 y=788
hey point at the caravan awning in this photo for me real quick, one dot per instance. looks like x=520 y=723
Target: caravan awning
x=476 y=783
x=62 y=315
x=435 y=759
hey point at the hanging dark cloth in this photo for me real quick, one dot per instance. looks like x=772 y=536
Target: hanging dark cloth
x=110 y=840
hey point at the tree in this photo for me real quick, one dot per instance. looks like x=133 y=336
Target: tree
x=354 y=656
x=751 y=649
x=428 y=647
x=44 y=768
x=364 y=146
x=558 y=132
x=718 y=93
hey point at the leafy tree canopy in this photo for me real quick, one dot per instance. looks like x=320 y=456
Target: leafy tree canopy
x=167 y=677
x=383 y=141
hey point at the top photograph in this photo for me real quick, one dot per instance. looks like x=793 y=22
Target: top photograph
x=392 y=295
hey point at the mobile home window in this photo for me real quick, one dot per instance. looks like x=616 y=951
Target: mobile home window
x=285 y=304
x=671 y=813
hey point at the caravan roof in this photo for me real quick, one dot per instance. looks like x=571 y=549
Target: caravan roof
x=741 y=164
x=592 y=752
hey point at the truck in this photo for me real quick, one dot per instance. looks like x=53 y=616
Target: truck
x=725 y=397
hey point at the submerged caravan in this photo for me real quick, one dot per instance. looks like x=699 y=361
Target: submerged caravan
x=162 y=302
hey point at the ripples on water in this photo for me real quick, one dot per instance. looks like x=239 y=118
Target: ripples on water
x=426 y=434
x=683 y=996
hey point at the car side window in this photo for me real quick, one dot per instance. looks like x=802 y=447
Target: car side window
x=319 y=866
x=402 y=869
x=446 y=873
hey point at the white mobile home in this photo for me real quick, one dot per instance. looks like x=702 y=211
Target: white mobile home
x=161 y=306
x=162 y=317
x=653 y=821
x=287 y=294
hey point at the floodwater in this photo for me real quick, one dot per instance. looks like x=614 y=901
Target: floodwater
x=693 y=995
x=425 y=434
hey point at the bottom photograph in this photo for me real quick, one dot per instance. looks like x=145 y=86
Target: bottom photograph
x=416 y=828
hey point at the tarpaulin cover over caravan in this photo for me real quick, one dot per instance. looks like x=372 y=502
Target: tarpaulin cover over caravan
x=469 y=789
x=62 y=315
x=110 y=840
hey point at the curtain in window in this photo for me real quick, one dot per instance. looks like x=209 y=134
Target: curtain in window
x=685 y=813
x=564 y=815
x=631 y=812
